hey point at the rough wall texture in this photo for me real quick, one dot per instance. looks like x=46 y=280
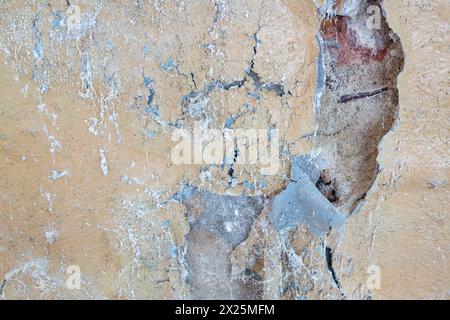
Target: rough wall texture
x=93 y=92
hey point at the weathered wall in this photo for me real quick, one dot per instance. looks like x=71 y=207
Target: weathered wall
x=403 y=227
x=89 y=102
x=88 y=107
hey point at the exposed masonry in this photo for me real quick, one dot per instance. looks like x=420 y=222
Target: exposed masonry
x=357 y=103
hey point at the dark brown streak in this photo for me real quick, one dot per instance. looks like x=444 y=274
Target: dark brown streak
x=361 y=95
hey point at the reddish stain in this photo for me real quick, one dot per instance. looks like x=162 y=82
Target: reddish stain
x=342 y=43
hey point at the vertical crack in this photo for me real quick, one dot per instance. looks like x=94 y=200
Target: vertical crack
x=329 y=258
x=2 y=287
x=256 y=45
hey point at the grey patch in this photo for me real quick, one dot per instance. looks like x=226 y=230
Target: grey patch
x=169 y=65
x=227 y=217
x=304 y=164
x=301 y=202
x=433 y=183
x=277 y=88
x=320 y=74
x=86 y=71
x=184 y=194
x=149 y=84
x=40 y=70
x=229 y=122
x=58 y=19
x=151 y=134
x=218 y=224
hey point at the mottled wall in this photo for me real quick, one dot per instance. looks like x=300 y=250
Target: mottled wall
x=89 y=103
